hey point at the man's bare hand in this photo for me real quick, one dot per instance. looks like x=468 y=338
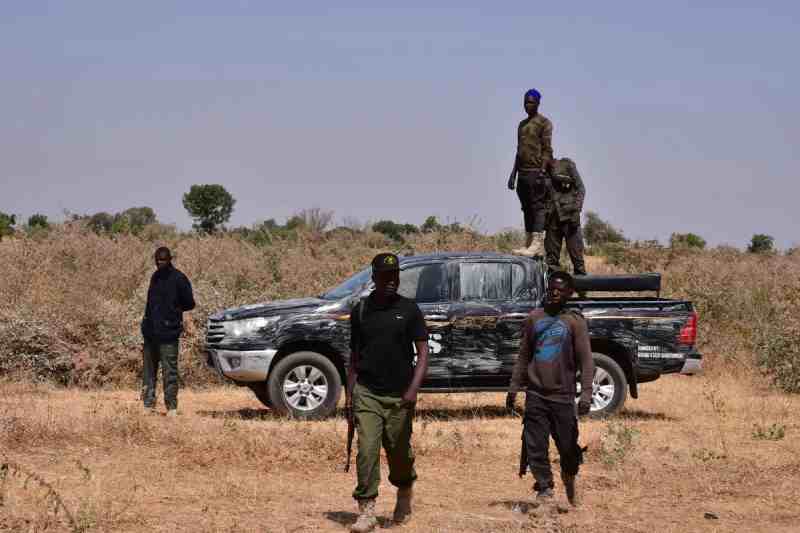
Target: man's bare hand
x=410 y=396
x=512 y=182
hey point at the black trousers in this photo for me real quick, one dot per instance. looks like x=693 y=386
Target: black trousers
x=532 y=194
x=558 y=232
x=542 y=419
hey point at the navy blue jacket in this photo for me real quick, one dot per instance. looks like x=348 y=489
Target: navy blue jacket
x=169 y=295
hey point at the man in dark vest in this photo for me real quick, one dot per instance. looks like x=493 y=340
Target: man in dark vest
x=555 y=346
x=531 y=165
x=564 y=216
x=169 y=296
x=382 y=384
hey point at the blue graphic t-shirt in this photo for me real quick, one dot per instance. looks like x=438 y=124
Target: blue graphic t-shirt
x=553 y=348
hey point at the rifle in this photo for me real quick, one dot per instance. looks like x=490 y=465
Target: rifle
x=523 y=457
x=351 y=421
x=351 y=431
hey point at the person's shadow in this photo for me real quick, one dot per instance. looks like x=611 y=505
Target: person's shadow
x=347 y=519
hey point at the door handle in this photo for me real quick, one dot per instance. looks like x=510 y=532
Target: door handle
x=514 y=315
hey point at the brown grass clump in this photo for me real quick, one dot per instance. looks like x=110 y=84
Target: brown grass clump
x=749 y=305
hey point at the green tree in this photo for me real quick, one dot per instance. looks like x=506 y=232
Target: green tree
x=761 y=244
x=136 y=218
x=431 y=224
x=101 y=222
x=38 y=221
x=686 y=240
x=209 y=205
x=597 y=231
x=7 y=224
x=393 y=230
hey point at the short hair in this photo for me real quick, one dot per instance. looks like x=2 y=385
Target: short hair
x=563 y=276
x=162 y=250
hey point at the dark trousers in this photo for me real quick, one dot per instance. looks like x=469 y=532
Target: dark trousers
x=532 y=194
x=558 y=232
x=542 y=419
x=166 y=354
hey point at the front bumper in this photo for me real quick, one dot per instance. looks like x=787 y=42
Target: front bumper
x=693 y=364
x=245 y=366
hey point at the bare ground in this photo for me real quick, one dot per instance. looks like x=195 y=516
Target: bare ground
x=693 y=454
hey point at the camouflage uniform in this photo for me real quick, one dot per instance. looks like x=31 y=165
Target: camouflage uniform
x=534 y=153
x=564 y=216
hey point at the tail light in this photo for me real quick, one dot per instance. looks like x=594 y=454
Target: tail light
x=688 y=334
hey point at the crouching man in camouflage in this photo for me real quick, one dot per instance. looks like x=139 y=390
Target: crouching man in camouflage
x=564 y=216
x=555 y=344
x=382 y=385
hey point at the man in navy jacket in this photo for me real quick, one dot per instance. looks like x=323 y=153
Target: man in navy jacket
x=169 y=295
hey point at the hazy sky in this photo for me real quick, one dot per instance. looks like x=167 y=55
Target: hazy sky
x=681 y=116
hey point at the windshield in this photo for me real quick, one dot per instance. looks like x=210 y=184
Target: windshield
x=354 y=282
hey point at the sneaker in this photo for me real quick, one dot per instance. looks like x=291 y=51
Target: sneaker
x=366 y=517
x=569 y=488
x=172 y=413
x=402 y=509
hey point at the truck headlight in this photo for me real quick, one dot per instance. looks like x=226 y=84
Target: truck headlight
x=242 y=328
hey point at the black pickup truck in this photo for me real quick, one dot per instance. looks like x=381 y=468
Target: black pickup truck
x=293 y=354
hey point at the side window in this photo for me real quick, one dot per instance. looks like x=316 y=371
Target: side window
x=424 y=283
x=518 y=281
x=485 y=281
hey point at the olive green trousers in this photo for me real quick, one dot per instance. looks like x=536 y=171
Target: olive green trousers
x=382 y=421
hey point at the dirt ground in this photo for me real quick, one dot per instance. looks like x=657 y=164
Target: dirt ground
x=692 y=454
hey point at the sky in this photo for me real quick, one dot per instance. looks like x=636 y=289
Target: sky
x=681 y=116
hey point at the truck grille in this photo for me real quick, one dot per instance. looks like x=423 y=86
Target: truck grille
x=215 y=333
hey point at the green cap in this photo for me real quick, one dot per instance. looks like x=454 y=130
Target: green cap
x=385 y=262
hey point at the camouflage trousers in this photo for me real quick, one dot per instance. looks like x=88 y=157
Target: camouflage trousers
x=558 y=232
x=386 y=421
x=165 y=354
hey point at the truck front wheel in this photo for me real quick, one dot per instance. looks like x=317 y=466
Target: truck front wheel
x=304 y=385
x=609 y=386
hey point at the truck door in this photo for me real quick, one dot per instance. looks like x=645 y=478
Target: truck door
x=483 y=293
x=427 y=284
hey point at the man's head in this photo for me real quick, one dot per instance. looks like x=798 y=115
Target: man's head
x=386 y=274
x=560 y=287
x=163 y=257
x=531 y=102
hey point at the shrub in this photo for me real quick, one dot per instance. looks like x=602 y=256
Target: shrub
x=761 y=244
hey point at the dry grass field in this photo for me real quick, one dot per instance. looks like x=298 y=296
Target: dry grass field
x=693 y=454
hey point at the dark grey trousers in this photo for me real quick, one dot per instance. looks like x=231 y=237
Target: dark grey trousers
x=165 y=354
x=542 y=419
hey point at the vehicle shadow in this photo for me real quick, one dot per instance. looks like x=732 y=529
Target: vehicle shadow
x=637 y=414
x=465 y=413
x=244 y=414
x=346 y=518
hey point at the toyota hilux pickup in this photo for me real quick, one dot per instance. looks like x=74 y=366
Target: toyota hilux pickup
x=293 y=354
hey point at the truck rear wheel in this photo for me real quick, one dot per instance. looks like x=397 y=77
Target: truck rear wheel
x=609 y=386
x=304 y=385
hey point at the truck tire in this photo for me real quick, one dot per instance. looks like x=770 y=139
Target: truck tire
x=304 y=385
x=610 y=387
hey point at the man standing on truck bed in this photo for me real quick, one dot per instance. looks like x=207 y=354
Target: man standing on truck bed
x=382 y=386
x=169 y=295
x=555 y=341
x=531 y=164
x=564 y=216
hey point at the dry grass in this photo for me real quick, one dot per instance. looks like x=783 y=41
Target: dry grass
x=71 y=301
x=229 y=465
